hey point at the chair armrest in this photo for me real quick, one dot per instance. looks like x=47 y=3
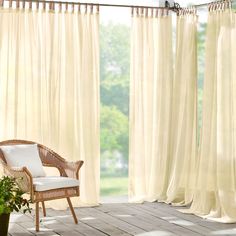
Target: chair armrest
x=52 y=159
x=58 y=166
x=72 y=168
x=23 y=178
x=66 y=169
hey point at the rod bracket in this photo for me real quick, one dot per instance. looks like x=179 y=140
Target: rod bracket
x=176 y=7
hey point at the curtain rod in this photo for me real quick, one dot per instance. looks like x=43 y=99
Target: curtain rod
x=175 y=8
x=208 y=3
x=203 y=4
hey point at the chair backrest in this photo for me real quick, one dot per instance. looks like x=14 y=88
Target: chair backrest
x=12 y=142
x=47 y=156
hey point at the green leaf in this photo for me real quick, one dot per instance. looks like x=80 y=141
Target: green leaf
x=11 y=196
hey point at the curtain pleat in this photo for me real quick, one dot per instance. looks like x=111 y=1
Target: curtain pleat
x=49 y=86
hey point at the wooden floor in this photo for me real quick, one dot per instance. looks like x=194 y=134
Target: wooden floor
x=115 y=219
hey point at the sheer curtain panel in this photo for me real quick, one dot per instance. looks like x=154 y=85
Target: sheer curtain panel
x=184 y=111
x=49 y=84
x=163 y=138
x=215 y=196
x=150 y=104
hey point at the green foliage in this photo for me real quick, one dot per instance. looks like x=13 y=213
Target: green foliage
x=115 y=65
x=11 y=198
x=114 y=130
x=114 y=186
x=114 y=54
x=116 y=93
x=114 y=74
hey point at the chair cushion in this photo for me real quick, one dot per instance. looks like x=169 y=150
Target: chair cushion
x=24 y=155
x=54 y=182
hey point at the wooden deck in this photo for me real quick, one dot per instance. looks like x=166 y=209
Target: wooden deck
x=124 y=219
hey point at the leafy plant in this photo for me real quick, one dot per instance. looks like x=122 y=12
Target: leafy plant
x=11 y=197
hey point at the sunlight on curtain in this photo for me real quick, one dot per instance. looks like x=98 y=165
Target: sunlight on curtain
x=215 y=197
x=49 y=86
x=150 y=105
x=184 y=112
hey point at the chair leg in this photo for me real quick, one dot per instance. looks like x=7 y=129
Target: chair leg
x=72 y=210
x=44 y=209
x=37 y=217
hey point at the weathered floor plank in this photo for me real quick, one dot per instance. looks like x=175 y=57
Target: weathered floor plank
x=119 y=219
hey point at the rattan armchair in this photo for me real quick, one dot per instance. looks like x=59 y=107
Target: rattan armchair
x=50 y=159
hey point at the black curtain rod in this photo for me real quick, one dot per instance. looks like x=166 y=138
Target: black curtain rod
x=175 y=8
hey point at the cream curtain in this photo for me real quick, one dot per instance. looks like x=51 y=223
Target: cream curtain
x=151 y=85
x=184 y=112
x=163 y=109
x=49 y=85
x=215 y=196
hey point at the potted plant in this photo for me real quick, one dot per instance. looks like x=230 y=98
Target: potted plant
x=11 y=199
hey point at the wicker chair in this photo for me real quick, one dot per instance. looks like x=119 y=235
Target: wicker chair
x=50 y=159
